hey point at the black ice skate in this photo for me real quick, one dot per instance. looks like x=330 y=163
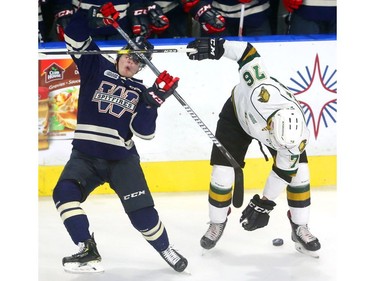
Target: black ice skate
x=174 y=259
x=213 y=234
x=86 y=260
x=305 y=242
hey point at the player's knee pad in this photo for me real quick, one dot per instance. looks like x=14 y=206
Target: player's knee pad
x=67 y=197
x=302 y=177
x=145 y=218
x=222 y=177
x=274 y=186
x=66 y=191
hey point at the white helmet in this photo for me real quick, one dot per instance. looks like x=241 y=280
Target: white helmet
x=287 y=128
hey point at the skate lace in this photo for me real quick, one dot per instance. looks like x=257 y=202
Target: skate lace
x=81 y=249
x=170 y=255
x=304 y=233
x=214 y=231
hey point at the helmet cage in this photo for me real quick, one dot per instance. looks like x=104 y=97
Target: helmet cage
x=142 y=44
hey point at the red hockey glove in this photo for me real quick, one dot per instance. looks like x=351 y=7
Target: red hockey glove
x=159 y=22
x=188 y=4
x=210 y=20
x=291 y=5
x=139 y=19
x=104 y=16
x=163 y=87
x=109 y=11
x=62 y=20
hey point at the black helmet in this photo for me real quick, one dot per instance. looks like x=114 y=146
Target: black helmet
x=143 y=44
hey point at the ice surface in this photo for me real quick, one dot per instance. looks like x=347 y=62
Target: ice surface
x=239 y=255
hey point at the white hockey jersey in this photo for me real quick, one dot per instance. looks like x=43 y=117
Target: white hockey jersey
x=258 y=96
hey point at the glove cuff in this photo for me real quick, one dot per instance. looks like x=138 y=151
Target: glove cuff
x=199 y=9
x=189 y=4
x=265 y=203
x=64 y=13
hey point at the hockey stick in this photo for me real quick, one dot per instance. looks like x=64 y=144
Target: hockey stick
x=238 y=190
x=120 y=52
x=288 y=23
x=240 y=28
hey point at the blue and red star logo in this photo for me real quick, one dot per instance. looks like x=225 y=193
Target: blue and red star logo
x=317 y=92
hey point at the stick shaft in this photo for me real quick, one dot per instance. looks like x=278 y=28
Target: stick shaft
x=238 y=191
x=240 y=27
x=120 y=52
x=288 y=22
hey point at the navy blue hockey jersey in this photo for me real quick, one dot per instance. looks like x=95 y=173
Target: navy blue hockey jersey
x=111 y=108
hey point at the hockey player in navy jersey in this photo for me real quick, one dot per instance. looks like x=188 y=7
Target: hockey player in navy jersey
x=137 y=18
x=113 y=107
x=256 y=17
x=262 y=109
x=181 y=13
x=311 y=16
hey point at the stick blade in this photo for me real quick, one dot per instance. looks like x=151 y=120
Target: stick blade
x=238 y=191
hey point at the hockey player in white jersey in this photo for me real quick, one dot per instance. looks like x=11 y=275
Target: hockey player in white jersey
x=262 y=109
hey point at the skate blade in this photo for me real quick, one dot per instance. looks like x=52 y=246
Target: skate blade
x=186 y=272
x=299 y=248
x=90 y=267
x=205 y=251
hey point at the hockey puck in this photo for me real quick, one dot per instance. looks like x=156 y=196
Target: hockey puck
x=277 y=242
